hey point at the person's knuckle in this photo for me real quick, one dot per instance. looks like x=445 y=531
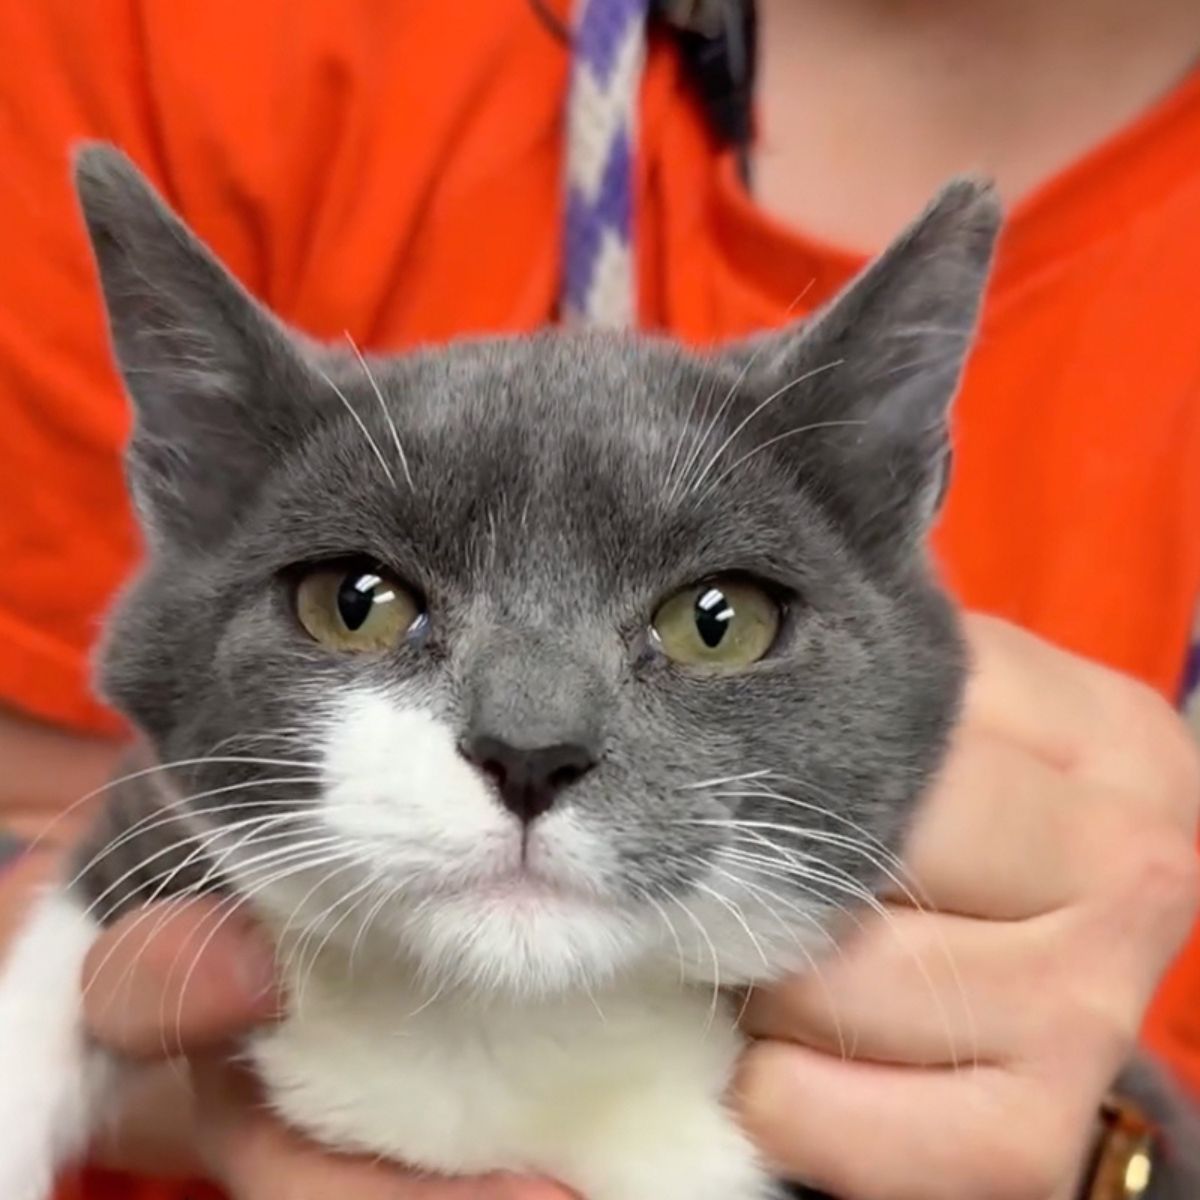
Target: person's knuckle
x=1145 y=724
x=1157 y=873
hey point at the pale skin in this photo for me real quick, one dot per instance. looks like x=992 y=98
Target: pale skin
x=1057 y=846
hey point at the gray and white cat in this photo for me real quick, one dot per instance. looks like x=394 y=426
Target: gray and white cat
x=530 y=692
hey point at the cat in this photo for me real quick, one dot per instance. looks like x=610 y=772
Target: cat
x=536 y=694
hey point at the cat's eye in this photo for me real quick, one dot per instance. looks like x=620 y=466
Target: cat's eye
x=724 y=623
x=356 y=608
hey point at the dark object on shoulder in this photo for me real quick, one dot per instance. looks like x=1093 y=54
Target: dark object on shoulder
x=717 y=45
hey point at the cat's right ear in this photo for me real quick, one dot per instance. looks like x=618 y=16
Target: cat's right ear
x=214 y=379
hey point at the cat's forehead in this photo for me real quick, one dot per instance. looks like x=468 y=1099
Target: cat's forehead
x=609 y=460
x=587 y=417
x=555 y=382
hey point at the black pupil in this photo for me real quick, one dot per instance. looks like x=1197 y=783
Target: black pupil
x=356 y=597
x=713 y=614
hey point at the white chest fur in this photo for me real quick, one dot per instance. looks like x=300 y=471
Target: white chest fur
x=618 y=1095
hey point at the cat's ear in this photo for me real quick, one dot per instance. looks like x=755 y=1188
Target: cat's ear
x=860 y=395
x=214 y=379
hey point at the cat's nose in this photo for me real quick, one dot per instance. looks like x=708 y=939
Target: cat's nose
x=529 y=780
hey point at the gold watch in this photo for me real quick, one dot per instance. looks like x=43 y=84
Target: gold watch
x=1123 y=1166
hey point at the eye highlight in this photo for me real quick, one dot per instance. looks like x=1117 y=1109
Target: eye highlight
x=356 y=608
x=722 y=623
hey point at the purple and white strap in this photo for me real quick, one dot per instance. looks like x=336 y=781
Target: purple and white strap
x=600 y=285
x=1190 y=697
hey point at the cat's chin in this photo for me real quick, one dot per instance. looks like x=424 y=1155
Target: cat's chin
x=524 y=940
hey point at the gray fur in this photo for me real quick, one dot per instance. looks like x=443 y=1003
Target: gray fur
x=562 y=485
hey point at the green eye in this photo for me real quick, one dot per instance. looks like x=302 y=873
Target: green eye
x=355 y=608
x=725 y=623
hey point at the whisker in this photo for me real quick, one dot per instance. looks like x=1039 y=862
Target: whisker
x=359 y=422
x=712 y=950
x=767 y=444
x=150 y=906
x=361 y=893
x=164 y=814
x=387 y=416
x=722 y=779
x=239 y=900
x=891 y=866
x=705 y=423
x=735 y=912
x=142 y=772
x=834 y=877
x=685 y=430
x=702 y=439
x=775 y=395
x=645 y=895
x=205 y=838
x=810 y=961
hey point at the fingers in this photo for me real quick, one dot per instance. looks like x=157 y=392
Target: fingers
x=996 y=835
x=1008 y=831
x=957 y=992
x=1005 y=836
x=177 y=977
x=256 y=1158
x=886 y=1133
x=1081 y=717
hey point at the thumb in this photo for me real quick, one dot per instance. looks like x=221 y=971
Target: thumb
x=254 y=1157
x=176 y=977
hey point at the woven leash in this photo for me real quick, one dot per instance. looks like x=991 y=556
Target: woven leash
x=609 y=44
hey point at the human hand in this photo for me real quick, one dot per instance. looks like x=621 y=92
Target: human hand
x=1058 y=849
x=159 y=986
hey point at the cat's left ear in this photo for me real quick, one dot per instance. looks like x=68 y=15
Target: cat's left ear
x=859 y=397
x=218 y=385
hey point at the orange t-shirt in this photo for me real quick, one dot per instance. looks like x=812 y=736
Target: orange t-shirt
x=394 y=170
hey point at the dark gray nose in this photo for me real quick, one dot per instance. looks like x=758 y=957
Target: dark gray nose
x=529 y=780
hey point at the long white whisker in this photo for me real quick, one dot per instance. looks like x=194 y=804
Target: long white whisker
x=723 y=779
x=712 y=950
x=838 y=879
x=735 y=912
x=387 y=416
x=829 y=812
x=759 y=891
x=204 y=838
x=687 y=422
x=737 y=429
x=142 y=772
x=644 y=894
x=239 y=900
x=702 y=439
x=212 y=872
x=361 y=893
x=360 y=423
x=164 y=814
x=767 y=444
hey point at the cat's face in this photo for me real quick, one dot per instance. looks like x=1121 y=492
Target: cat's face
x=530 y=661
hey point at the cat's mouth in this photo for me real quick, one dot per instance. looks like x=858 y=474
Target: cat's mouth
x=524 y=882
